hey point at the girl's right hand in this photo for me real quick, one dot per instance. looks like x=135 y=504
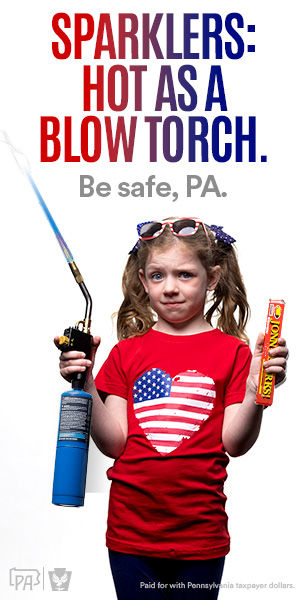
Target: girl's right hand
x=74 y=362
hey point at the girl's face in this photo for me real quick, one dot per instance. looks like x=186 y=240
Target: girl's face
x=176 y=282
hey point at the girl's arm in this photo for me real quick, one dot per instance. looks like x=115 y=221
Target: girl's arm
x=109 y=420
x=242 y=421
x=109 y=423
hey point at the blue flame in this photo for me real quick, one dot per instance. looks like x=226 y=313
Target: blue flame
x=23 y=165
x=59 y=237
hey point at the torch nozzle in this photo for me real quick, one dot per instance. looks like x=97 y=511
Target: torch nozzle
x=88 y=310
x=75 y=272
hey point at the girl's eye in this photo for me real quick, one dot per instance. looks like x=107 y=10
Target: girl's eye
x=185 y=275
x=156 y=276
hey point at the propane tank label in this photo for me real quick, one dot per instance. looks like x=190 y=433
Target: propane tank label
x=75 y=418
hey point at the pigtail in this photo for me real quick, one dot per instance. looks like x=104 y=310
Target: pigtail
x=229 y=300
x=135 y=316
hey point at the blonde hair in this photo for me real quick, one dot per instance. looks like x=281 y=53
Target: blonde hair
x=228 y=302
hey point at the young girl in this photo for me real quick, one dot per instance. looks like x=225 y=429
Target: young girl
x=177 y=396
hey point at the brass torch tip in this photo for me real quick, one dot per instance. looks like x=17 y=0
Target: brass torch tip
x=76 y=272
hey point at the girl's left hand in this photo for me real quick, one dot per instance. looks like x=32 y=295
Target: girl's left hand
x=276 y=365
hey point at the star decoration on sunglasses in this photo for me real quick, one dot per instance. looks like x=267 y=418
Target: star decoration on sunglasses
x=221 y=235
x=140 y=225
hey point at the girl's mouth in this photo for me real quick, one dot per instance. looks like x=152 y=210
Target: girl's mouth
x=173 y=304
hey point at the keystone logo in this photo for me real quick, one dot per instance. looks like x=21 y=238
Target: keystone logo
x=60 y=580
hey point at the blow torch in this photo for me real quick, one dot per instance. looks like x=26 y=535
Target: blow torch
x=76 y=404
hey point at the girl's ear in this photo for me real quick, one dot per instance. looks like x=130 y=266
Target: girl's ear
x=213 y=277
x=143 y=280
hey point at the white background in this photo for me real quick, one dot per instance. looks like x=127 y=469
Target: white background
x=39 y=297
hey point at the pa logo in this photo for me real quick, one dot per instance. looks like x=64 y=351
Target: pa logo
x=60 y=580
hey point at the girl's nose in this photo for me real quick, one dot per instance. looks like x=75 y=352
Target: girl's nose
x=171 y=285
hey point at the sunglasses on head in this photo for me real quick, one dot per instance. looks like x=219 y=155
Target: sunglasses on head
x=149 y=230
x=152 y=229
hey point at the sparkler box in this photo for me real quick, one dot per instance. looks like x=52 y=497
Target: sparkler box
x=266 y=384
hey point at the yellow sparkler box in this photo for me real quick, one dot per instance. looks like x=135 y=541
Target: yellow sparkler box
x=266 y=383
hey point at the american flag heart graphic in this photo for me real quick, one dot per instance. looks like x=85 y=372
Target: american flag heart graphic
x=171 y=410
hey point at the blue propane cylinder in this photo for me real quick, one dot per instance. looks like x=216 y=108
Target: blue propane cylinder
x=72 y=448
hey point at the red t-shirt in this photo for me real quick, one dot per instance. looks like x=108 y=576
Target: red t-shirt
x=166 y=497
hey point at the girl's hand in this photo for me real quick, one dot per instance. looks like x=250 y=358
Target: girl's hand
x=74 y=362
x=276 y=365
